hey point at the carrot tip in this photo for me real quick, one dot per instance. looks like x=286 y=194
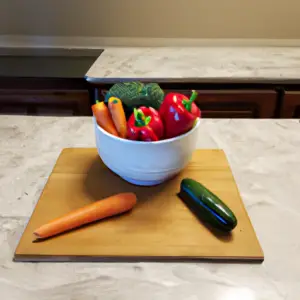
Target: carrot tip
x=37 y=235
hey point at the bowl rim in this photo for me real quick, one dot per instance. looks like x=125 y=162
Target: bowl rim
x=166 y=141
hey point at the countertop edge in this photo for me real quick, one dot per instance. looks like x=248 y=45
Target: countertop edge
x=220 y=80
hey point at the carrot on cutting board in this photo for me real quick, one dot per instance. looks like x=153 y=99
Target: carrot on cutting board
x=101 y=209
x=118 y=115
x=103 y=118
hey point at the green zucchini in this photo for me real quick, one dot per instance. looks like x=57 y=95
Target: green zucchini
x=206 y=205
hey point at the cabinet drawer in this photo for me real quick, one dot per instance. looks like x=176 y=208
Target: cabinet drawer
x=235 y=103
x=45 y=102
x=291 y=105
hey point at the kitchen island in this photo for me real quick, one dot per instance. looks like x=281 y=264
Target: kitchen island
x=197 y=64
x=232 y=82
x=265 y=159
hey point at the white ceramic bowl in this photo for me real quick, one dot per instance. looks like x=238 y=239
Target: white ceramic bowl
x=146 y=163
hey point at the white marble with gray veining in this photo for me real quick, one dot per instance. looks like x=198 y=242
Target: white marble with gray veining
x=203 y=64
x=265 y=159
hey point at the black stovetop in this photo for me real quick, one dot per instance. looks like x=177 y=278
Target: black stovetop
x=47 y=63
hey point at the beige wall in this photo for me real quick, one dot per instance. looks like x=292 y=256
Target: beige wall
x=274 y=19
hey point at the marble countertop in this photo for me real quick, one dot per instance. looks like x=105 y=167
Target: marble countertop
x=265 y=159
x=205 y=64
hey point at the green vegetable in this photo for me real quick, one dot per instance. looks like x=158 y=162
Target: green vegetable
x=135 y=94
x=206 y=205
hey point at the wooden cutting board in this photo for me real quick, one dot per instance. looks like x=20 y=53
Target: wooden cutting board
x=159 y=228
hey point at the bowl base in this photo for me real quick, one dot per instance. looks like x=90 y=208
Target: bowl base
x=142 y=182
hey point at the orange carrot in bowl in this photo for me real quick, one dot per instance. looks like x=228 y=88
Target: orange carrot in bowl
x=103 y=118
x=118 y=115
x=101 y=209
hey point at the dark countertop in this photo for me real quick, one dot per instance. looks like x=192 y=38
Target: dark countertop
x=47 y=63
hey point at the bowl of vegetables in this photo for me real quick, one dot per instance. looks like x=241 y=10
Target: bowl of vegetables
x=147 y=146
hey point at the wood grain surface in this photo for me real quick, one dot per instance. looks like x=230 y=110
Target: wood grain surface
x=159 y=228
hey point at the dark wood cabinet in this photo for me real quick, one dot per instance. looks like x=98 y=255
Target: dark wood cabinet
x=235 y=103
x=45 y=102
x=291 y=105
x=73 y=97
x=45 y=96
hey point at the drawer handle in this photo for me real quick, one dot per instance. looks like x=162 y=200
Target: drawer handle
x=59 y=93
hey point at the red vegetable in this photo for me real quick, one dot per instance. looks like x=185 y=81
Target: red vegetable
x=178 y=113
x=145 y=124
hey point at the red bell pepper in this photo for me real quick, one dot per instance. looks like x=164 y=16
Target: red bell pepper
x=178 y=113
x=145 y=124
